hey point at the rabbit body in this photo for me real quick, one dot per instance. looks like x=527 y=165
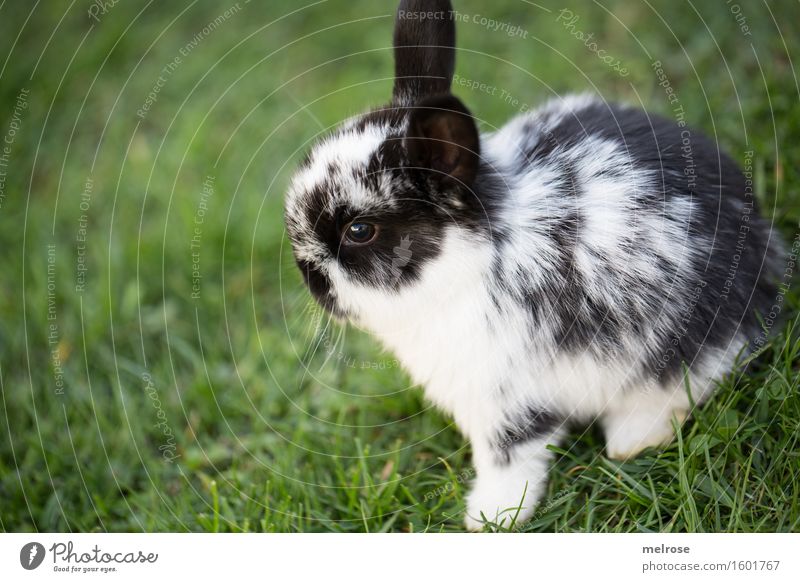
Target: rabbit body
x=584 y=262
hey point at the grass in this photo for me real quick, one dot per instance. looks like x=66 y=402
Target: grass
x=271 y=423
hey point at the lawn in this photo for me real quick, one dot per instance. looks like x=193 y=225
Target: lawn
x=164 y=369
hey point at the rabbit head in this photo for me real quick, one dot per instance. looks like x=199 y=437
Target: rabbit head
x=368 y=208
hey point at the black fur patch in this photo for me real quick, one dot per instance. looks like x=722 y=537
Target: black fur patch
x=320 y=287
x=532 y=424
x=408 y=237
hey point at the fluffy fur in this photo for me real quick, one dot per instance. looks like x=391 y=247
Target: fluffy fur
x=568 y=267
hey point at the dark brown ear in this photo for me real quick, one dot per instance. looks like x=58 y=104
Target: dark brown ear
x=424 y=37
x=443 y=139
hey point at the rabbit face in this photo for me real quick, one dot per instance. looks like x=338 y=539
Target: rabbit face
x=355 y=215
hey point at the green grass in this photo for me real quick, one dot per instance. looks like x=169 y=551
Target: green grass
x=276 y=425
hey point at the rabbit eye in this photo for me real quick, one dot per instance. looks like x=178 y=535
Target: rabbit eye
x=359 y=233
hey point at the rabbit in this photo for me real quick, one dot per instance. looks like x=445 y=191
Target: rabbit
x=586 y=262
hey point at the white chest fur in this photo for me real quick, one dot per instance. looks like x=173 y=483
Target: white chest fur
x=439 y=329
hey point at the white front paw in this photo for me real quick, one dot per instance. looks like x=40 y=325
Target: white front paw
x=497 y=504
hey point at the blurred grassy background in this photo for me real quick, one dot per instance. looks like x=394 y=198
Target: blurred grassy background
x=129 y=404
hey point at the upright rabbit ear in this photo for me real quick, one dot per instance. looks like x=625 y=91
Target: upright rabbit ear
x=442 y=140
x=424 y=55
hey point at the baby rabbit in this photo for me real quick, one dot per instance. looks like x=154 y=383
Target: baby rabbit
x=585 y=261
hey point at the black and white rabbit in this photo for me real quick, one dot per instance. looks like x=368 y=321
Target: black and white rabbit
x=585 y=262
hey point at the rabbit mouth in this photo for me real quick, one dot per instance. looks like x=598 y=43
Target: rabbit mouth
x=320 y=286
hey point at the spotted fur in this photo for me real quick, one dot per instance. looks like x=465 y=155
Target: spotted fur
x=568 y=267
